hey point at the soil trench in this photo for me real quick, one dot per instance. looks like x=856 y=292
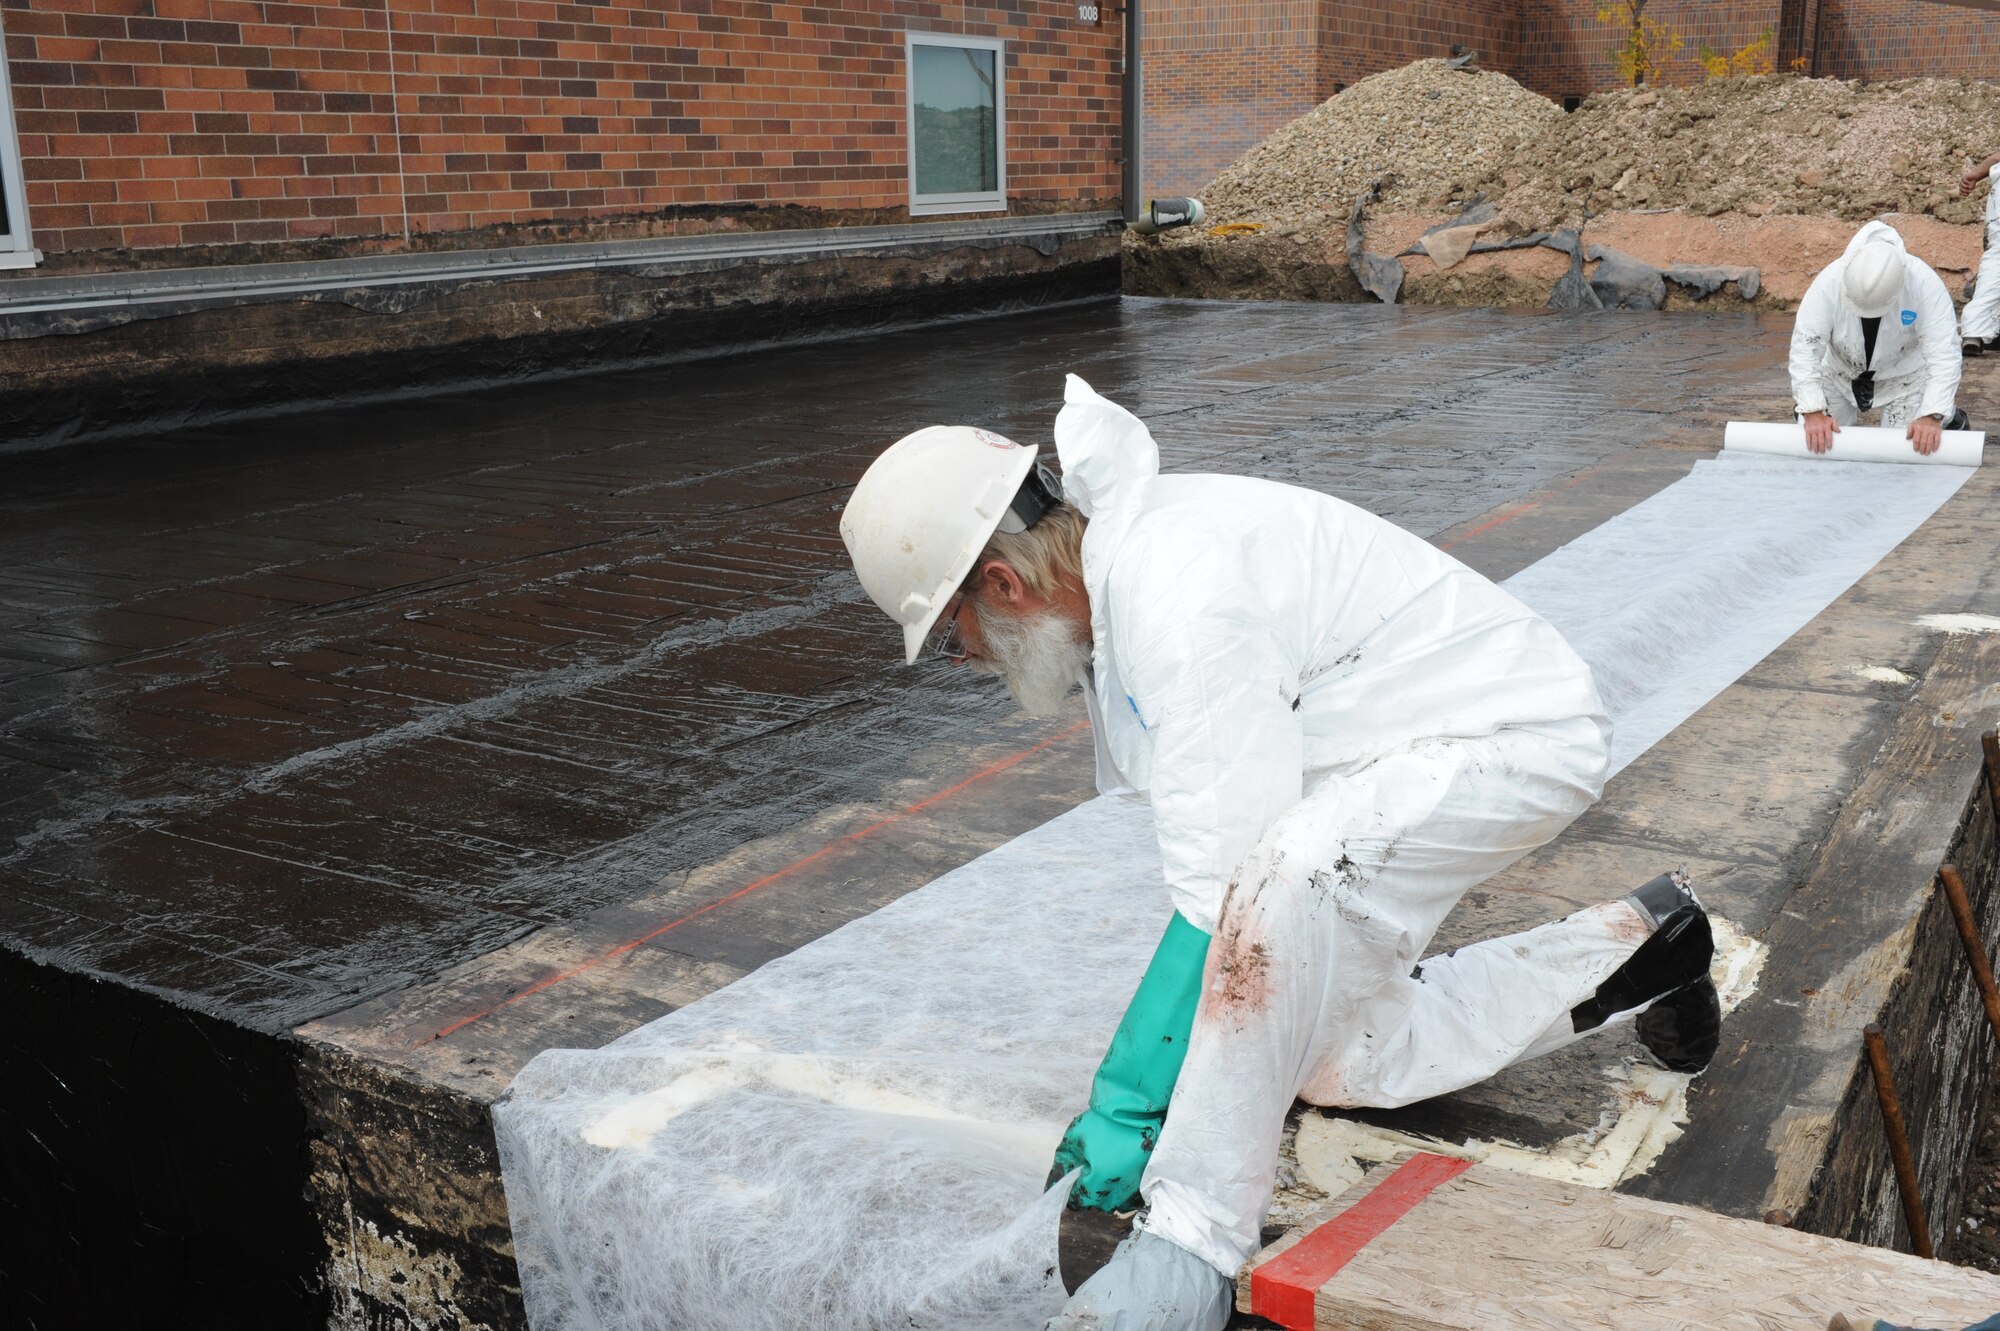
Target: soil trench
x=1307 y=264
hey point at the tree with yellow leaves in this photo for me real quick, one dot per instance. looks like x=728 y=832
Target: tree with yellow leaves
x=1758 y=57
x=1646 y=45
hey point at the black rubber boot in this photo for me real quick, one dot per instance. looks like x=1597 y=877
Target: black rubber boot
x=1668 y=976
x=1676 y=954
x=1959 y=420
x=1972 y=346
x=1683 y=1029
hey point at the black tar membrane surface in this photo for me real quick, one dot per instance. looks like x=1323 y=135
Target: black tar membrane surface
x=299 y=712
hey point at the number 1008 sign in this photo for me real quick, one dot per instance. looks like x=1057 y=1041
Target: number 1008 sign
x=1087 y=13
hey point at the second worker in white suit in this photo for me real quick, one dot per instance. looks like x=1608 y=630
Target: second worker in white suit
x=1979 y=322
x=1340 y=729
x=1876 y=329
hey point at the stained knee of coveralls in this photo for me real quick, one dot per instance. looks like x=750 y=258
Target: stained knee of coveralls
x=1299 y=911
x=1263 y=1010
x=1112 y=1140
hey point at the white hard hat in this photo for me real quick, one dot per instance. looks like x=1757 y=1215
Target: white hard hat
x=1874 y=279
x=925 y=509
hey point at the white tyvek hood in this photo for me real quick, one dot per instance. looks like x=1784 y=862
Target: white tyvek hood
x=1249 y=638
x=1870 y=234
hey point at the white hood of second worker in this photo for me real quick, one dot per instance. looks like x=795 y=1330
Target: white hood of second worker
x=1916 y=348
x=1872 y=232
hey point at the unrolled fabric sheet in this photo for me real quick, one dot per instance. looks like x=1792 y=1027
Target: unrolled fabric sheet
x=857 y=1134
x=1673 y=599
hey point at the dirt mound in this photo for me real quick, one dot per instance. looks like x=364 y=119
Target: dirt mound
x=1429 y=132
x=1773 y=144
x=1761 y=145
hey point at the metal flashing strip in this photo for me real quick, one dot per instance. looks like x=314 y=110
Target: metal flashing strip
x=653 y=256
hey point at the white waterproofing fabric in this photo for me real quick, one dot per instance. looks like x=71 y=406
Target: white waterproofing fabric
x=1676 y=597
x=1916 y=361
x=855 y=1136
x=1981 y=316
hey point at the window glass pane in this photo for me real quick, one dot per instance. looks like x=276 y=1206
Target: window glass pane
x=10 y=154
x=954 y=98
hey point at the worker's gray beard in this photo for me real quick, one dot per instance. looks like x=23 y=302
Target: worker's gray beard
x=1038 y=655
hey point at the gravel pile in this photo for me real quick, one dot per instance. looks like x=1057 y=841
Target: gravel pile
x=1770 y=144
x=1431 y=133
x=1774 y=144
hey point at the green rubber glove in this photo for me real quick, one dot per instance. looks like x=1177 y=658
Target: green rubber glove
x=1113 y=1139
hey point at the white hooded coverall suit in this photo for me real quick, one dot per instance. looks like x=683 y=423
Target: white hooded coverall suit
x=1916 y=361
x=1340 y=729
x=1980 y=319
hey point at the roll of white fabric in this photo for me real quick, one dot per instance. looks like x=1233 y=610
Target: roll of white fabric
x=1854 y=443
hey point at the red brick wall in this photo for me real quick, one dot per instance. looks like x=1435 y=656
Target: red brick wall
x=1361 y=39
x=1222 y=74
x=1901 y=39
x=157 y=123
x=1205 y=108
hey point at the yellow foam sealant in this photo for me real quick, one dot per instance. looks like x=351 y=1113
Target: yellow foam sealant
x=1644 y=1113
x=1879 y=674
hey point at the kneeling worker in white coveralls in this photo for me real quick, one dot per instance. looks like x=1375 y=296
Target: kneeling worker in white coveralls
x=1340 y=729
x=1876 y=328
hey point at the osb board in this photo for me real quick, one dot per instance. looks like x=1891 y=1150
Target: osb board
x=1493 y=1251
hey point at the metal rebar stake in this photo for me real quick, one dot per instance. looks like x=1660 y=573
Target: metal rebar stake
x=1899 y=1140
x=1975 y=945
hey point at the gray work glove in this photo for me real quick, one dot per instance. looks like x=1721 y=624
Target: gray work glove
x=1150 y=1285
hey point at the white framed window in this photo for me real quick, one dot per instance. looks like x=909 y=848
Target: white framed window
x=957 y=123
x=15 y=249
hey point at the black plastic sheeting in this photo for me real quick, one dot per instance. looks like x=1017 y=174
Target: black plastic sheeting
x=1707 y=279
x=1379 y=275
x=1573 y=290
x=1623 y=282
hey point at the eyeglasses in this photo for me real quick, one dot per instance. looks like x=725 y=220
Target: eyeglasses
x=946 y=643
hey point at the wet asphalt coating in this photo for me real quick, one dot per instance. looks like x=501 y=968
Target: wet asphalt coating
x=301 y=711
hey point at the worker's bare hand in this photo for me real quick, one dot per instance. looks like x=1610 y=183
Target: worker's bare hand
x=1925 y=433
x=1820 y=430
x=1970 y=182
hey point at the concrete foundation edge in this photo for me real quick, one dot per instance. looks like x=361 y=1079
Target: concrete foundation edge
x=101 y=380
x=1943 y=1054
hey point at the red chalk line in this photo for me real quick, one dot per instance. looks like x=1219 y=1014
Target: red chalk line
x=984 y=773
x=1283 y=1289
x=1519 y=508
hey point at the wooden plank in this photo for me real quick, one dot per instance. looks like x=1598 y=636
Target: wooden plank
x=1489 y=1250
